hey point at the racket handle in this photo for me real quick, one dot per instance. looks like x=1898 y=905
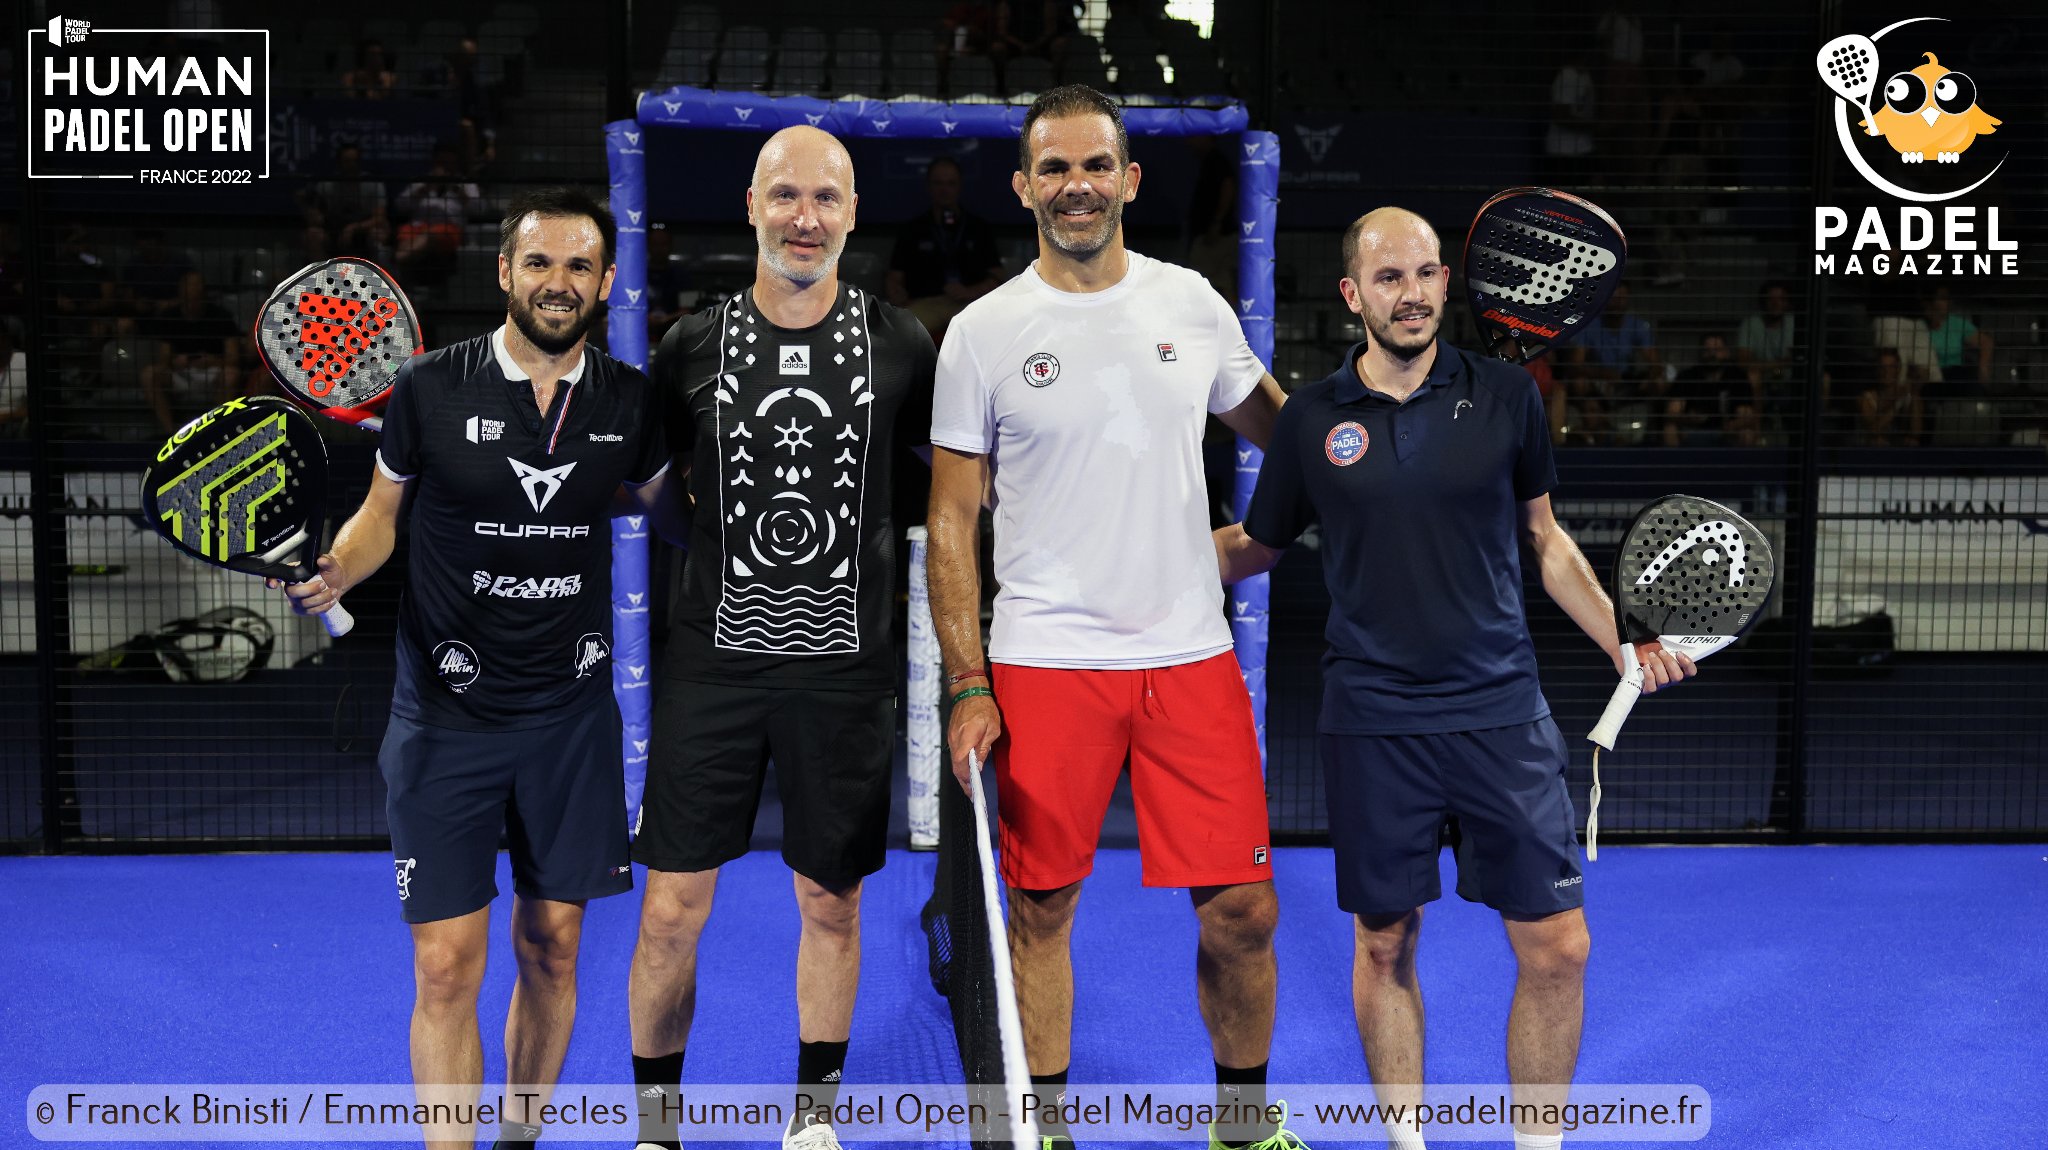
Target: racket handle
x=337 y=620
x=1622 y=701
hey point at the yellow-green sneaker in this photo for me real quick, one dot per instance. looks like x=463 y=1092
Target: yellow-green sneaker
x=1280 y=1139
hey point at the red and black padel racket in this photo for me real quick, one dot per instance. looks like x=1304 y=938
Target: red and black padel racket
x=1539 y=266
x=335 y=335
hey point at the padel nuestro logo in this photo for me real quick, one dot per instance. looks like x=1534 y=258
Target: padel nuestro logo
x=1918 y=137
x=113 y=104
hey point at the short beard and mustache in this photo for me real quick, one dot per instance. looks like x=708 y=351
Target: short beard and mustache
x=770 y=243
x=1384 y=335
x=526 y=317
x=1086 y=245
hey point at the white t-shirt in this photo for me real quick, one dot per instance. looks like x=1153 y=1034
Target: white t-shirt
x=1091 y=407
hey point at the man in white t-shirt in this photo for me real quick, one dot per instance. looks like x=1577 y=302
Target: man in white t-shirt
x=1081 y=389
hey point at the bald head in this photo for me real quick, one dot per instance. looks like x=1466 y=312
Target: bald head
x=1389 y=235
x=806 y=155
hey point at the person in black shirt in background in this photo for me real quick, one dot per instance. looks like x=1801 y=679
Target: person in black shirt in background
x=781 y=401
x=516 y=449
x=945 y=259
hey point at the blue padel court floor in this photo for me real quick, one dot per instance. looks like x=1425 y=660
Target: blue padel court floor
x=1831 y=998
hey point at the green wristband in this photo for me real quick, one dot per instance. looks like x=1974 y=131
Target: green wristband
x=971 y=692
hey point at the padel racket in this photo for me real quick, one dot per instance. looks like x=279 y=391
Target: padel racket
x=334 y=335
x=245 y=487
x=1848 y=66
x=1539 y=266
x=1692 y=576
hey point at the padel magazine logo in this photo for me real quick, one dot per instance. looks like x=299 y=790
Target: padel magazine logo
x=154 y=105
x=1914 y=124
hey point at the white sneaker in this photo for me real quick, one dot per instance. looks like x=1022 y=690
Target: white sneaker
x=815 y=1135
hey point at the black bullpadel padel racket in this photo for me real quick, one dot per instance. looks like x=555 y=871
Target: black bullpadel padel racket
x=1539 y=266
x=1692 y=576
x=245 y=487
x=335 y=334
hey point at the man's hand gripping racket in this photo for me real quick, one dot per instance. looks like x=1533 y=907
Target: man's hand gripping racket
x=1692 y=576
x=244 y=487
x=335 y=334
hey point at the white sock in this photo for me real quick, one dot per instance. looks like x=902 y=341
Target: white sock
x=1538 y=1141
x=1404 y=1136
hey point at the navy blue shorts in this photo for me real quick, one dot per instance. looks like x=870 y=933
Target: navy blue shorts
x=1390 y=796
x=557 y=793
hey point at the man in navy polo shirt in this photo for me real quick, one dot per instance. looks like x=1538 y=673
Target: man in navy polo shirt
x=1425 y=466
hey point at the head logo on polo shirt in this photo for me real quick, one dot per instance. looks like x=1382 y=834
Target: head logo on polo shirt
x=1346 y=444
x=1459 y=407
x=796 y=359
x=456 y=665
x=540 y=484
x=591 y=649
x=1041 y=369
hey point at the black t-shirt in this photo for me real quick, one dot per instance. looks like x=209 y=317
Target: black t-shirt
x=931 y=253
x=788 y=435
x=506 y=621
x=204 y=334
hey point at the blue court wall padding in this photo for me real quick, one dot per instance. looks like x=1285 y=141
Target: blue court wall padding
x=1258 y=207
x=626 y=333
x=905 y=120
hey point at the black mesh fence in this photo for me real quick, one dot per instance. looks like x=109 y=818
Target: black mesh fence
x=1883 y=424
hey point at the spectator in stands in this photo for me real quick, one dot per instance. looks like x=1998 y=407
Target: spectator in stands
x=1890 y=414
x=459 y=77
x=967 y=29
x=946 y=258
x=1898 y=322
x=1764 y=342
x=1700 y=410
x=1616 y=373
x=345 y=213
x=435 y=210
x=198 y=357
x=1034 y=28
x=1961 y=352
x=82 y=282
x=150 y=283
x=1568 y=139
x=372 y=78
x=13 y=387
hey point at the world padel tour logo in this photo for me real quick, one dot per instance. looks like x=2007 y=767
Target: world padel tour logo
x=163 y=106
x=1913 y=123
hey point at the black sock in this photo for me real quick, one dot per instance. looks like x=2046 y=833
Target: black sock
x=1054 y=1126
x=512 y=1133
x=819 y=1066
x=1243 y=1093
x=659 y=1084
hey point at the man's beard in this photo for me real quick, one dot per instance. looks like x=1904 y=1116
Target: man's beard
x=770 y=244
x=527 y=318
x=1400 y=344
x=1082 y=245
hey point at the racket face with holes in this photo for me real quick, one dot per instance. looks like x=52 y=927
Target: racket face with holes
x=1692 y=575
x=242 y=487
x=1539 y=266
x=1848 y=66
x=335 y=334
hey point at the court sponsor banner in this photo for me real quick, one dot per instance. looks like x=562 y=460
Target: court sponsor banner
x=920 y=1112
x=626 y=335
x=1960 y=564
x=1258 y=203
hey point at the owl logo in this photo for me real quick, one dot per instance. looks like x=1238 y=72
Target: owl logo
x=1931 y=113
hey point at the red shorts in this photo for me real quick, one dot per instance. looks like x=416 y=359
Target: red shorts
x=1195 y=779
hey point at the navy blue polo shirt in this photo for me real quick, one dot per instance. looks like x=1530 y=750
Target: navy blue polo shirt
x=1420 y=506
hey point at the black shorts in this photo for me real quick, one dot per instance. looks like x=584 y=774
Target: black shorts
x=832 y=749
x=1389 y=796
x=557 y=793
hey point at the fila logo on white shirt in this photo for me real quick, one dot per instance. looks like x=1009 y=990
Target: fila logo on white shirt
x=1166 y=353
x=796 y=359
x=540 y=484
x=481 y=430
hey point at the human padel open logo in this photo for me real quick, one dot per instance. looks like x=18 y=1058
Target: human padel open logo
x=127 y=104
x=1913 y=123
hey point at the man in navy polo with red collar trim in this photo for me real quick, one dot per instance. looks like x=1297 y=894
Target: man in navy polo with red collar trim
x=1425 y=466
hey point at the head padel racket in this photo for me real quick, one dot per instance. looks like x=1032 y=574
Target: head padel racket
x=1691 y=576
x=335 y=334
x=1848 y=66
x=1539 y=266
x=245 y=487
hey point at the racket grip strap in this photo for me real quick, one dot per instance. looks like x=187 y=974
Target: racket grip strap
x=337 y=620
